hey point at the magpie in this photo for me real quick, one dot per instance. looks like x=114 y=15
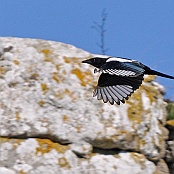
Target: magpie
x=119 y=78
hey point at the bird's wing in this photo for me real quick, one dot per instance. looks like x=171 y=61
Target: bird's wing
x=116 y=88
x=127 y=69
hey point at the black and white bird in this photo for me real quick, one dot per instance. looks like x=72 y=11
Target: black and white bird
x=119 y=78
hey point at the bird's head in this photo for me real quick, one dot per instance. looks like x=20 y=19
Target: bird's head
x=96 y=61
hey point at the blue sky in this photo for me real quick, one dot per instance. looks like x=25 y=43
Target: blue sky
x=141 y=30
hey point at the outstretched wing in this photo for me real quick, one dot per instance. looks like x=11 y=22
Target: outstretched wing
x=114 y=88
x=127 y=69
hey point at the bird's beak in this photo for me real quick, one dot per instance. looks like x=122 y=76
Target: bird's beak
x=86 y=61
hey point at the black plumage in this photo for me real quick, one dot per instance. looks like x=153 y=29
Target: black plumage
x=119 y=78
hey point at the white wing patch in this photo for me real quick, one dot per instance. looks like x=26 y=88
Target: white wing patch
x=113 y=94
x=119 y=72
x=119 y=59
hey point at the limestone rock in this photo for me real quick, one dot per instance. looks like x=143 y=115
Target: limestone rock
x=162 y=167
x=170 y=155
x=36 y=156
x=170 y=127
x=4 y=170
x=46 y=92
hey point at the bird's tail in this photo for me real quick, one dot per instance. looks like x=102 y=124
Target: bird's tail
x=153 y=72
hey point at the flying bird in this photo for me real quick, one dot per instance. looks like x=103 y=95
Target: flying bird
x=119 y=78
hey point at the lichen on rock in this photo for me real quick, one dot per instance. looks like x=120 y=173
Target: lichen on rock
x=46 y=105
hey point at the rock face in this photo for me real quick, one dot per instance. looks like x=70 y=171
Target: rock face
x=50 y=123
x=170 y=146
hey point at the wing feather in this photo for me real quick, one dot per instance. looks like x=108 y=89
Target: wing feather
x=128 y=88
x=95 y=92
x=107 y=95
x=127 y=69
x=123 y=90
x=112 y=96
x=99 y=96
x=116 y=89
x=104 y=97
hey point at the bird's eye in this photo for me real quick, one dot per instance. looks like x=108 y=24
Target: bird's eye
x=94 y=60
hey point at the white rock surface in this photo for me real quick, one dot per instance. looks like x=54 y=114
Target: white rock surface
x=46 y=92
x=36 y=156
x=4 y=170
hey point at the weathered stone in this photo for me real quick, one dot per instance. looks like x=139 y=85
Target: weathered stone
x=162 y=167
x=36 y=156
x=4 y=170
x=47 y=93
x=170 y=127
x=170 y=155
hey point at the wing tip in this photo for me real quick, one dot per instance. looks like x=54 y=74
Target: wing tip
x=111 y=99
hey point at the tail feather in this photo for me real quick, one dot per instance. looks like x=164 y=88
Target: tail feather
x=153 y=72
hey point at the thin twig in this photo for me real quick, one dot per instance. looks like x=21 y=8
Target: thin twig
x=100 y=28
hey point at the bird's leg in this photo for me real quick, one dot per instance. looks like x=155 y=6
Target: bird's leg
x=96 y=70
